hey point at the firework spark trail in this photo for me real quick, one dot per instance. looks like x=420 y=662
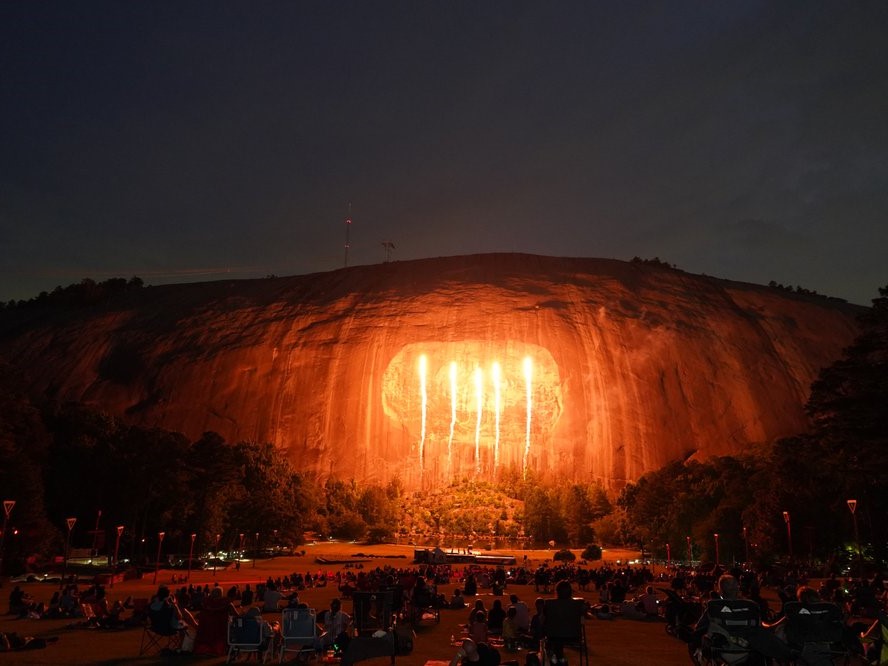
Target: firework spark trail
x=422 y=390
x=496 y=407
x=479 y=396
x=528 y=381
x=452 y=417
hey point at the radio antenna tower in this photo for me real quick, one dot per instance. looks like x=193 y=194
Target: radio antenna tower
x=389 y=246
x=348 y=224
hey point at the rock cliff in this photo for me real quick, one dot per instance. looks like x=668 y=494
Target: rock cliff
x=581 y=369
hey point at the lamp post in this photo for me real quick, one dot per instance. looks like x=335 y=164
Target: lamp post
x=788 y=532
x=668 y=555
x=690 y=557
x=160 y=536
x=852 y=507
x=216 y=553
x=94 y=552
x=116 y=552
x=7 y=511
x=746 y=544
x=191 y=555
x=256 y=554
x=716 y=548
x=70 y=523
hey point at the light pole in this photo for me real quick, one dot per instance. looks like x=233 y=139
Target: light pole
x=94 y=552
x=216 y=558
x=788 y=532
x=160 y=536
x=852 y=506
x=690 y=556
x=191 y=555
x=668 y=555
x=256 y=554
x=116 y=553
x=716 y=548
x=70 y=523
x=7 y=511
x=746 y=544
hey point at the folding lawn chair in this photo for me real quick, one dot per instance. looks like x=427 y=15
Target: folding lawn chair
x=246 y=635
x=815 y=633
x=299 y=631
x=731 y=623
x=160 y=632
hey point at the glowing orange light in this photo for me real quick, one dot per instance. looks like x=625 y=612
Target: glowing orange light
x=453 y=395
x=423 y=393
x=479 y=397
x=496 y=408
x=528 y=381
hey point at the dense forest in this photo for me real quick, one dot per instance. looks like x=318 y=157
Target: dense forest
x=67 y=460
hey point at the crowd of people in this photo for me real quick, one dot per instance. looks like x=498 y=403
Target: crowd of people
x=509 y=616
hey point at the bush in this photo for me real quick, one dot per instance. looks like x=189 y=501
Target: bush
x=592 y=553
x=564 y=555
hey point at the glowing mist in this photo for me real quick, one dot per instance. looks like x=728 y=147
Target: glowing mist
x=528 y=382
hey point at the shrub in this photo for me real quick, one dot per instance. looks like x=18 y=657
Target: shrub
x=564 y=555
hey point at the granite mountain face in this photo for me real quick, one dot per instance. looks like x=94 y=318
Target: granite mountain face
x=462 y=367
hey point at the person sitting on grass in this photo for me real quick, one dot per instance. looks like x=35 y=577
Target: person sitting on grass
x=457 y=601
x=478 y=630
x=471 y=653
x=510 y=630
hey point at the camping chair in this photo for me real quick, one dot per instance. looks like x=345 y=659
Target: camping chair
x=372 y=611
x=299 y=631
x=245 y=635
x=563 y=627
x=731 y=622
x=815 y=633
x=159 y=632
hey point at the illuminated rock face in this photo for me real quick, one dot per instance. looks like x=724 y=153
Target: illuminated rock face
x=578 y=369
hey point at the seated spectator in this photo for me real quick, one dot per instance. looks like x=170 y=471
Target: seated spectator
x=479 y=606
x=457 y=601
x=336 y=627
x=246 y=598
x=762 y=641
x=563 y=617
x=537 y=622
x=18 y=599
x=647 y=603
x=478 y=631
x=510 y=630
x=270 y=599
x=495 y=617
x=522 y=613
x=167 y=618
x=475 y=654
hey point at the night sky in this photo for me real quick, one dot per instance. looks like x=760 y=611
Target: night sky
x=183 y=141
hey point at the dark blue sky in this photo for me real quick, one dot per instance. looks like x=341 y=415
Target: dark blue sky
x=196 y=140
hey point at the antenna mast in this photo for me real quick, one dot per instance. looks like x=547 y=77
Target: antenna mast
x=348 y=224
